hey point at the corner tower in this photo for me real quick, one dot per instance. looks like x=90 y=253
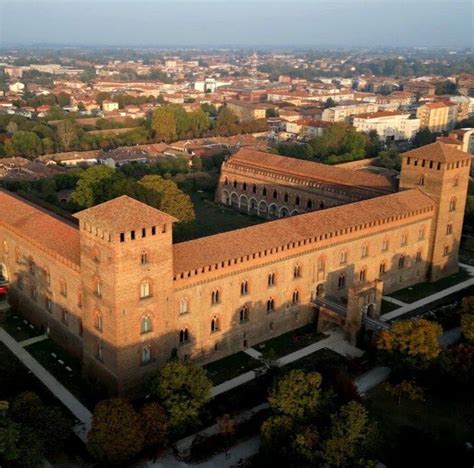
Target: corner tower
x=127 y=284
x=442 y=172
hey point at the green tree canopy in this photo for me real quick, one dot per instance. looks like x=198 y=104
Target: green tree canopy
x=27 y=144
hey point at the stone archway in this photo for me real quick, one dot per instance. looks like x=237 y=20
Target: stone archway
x=234 y=200
x=225 y=198
x=262 y=208
x=243 y=202
x=284 y=212
x=273 y=210
x=295 y=212
x=253 y=206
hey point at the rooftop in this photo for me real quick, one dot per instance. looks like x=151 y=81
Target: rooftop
x=437 y=151
x=123 y=214
x=310 y=170
x=195 y=254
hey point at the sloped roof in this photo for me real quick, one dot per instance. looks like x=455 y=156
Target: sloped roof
x=437 y=151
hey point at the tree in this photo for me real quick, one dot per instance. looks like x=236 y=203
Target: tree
x=297 y=394
x=406 y=387
x=226 y=122
x=154 y=421
x=66 y=133
x=458 y=363
x=423 y=137
x=389 y=159
x=27 y=144
x=12 y=127
x=171 y=199
x=10 y=436
x=275 y=435
x=198 y=123
x=467 y=325
x=183 y=389
x=349 y=431
x=116 y=434
x=416 y=339
x=164 y=124
x=329 y=103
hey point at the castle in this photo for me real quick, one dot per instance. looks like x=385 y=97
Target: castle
x=118 y=293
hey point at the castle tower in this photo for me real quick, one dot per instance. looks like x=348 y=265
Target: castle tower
x=127 y=283
x=442 y=172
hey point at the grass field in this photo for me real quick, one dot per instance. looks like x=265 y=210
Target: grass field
x=422 y=290
x=19 y=328
x=211 y=219
x=230 y=367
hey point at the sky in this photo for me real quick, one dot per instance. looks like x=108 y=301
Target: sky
x=257 y=23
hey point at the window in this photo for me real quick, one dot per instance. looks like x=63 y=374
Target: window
x=183 y=306
x=47 y=276
x=384 y=245
x=244 y=314
x=418 y=256
x=270 y=304
x=144 y=257
x=296 y=297
x=244 y=288
x=17 y=255
x=362 y=274
x=271 y=279
x=254 y=188
x=446 y=250
x=275 y=194
x=215 y=299
x=404 y=240
x=31 y=266
x=309 y=204
x=97 y=288
x=79 y=300
x=235 y=184
x=146 y=354
x=449 y=228
x=81 y=328
x=100 y=350
x=153 y=230
x=319 y=290
x=285 y=197
x=183 y=336
x=145 y=289
x=401 y=261
x=64 y=316
x=145 y=324
x=244 y=186
x=297 y=200
x=321 y=264
x=456 y=182
x=452 y=204
x=297 y=271
x=343 y=257
x=48 y=304
x=19 y=281
x=122 y=237
x=382 y=268
x=421 y=180
x=132 y=235
x=63 y=287
x=264 y=191
x=98 y=321
x=214 y=324
x=421 y=233
x=365 y=251
x=341 y=281
x=226 y=181
x=33 y=293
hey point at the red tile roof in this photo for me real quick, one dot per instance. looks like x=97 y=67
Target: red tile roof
x=437 y=151
x=195 y=254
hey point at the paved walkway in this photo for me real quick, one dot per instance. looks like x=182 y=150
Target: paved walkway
x=371 y=379
x=35 y=339
x=426 y=300
x=450 y=337
x=56 y=388
x=394 y=301
x=243 y=450
x=253 y=353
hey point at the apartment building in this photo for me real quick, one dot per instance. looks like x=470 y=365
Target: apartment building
x=345 y=112
x=437 y=116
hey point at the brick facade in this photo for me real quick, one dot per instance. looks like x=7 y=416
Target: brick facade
x=125 y=298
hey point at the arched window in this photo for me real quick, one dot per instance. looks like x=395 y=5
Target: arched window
x=401 y=261
x=341 y=282
x=145 y=289
x=244 y=186
x=286 y=198
x=235 y=184
x=244 y=314
x=319 y=290
x=264 y=191
x=321 y=205
x=452 y=204
x=214 y=324
x=382 y=268
x=97 y=287
x=144 y=257
x=100 y=351
x=270 y=304
x=215 y=297
x=183 y=306
x=421 y=233
x=384 y=245
x=254 y=188
x=271 y=279
x=275 y=194
x=63 y=287
x=297 y=271
x=226 y=181
x=449 y=228
x=297 y=200
x=364 y=251
x=183 y=336
x=146 y=354
x=296 y=296
x=363 y=274
x=309 y=204
x=244 y=288
x=98 y=321
x=145 y=324
x=404 y=239
x=343 y=257
x=421 y=180
x=79 y=299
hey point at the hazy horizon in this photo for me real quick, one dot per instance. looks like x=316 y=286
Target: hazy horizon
x=220 y=23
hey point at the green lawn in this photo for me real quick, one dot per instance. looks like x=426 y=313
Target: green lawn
x=88 y=393
x=466 y=256
x=388 y=307
x=212 y=218
x=19 y=328
x=421 y=290
x=442 y=423
x=282 y=345
x=230 y=367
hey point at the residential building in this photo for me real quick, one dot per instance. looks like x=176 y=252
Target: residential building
x=437 y=116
